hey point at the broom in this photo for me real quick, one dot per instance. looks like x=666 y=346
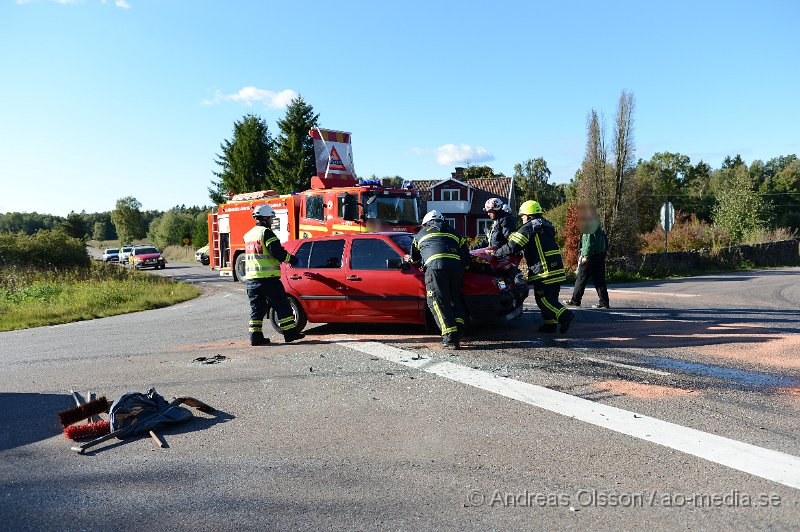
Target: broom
x=83 y=411
x=88 y=430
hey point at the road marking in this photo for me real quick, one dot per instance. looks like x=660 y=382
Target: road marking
x=626 y=366
x=764 y=463
x=670 y=294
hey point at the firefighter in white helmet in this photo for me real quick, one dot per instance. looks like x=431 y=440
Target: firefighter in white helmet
x=263 y=257
x=442 y=253
x=503 y=222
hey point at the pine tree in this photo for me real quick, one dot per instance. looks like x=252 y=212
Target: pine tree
x=245 y=160
x=293 y=163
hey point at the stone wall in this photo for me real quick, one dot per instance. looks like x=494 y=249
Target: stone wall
x=782 y=253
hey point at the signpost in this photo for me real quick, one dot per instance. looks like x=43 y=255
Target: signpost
x=667 y=219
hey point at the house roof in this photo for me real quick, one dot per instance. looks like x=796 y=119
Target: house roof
x=443 y=181
x=484 y=188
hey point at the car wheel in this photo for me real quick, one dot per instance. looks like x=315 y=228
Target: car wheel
x=300 y=317
x=238 y=268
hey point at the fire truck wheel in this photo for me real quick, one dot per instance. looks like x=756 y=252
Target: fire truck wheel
x=238 y=268
x=300 y=317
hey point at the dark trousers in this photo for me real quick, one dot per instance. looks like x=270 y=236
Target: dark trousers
x=547 y=300
x=266 y=293
x=443 y=294
x=594 y=267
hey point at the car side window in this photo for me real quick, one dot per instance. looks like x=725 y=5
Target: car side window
x=302 y=254
x=326 y=254
x=370 y=254
x=315 y=207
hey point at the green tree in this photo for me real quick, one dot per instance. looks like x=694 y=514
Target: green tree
x=293 y=163
x=200 y=230
x=100 y=231
x=127 y=219
x=785 y=195
x=73 y=226
x=244 y=164
x=662 y=178
x=171 y=228
x=740 y=210
x=532 y=181
x=476 y=171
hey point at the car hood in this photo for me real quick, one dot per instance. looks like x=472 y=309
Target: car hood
x=148 y=256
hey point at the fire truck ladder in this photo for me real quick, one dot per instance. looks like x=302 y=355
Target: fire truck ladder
x=215 y=241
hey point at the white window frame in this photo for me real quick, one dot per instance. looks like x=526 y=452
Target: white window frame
x=451 y=191
x=451 y=222
x=478 y=226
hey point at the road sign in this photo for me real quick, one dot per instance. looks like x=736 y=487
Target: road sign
x=186 y=240
x=667 y=216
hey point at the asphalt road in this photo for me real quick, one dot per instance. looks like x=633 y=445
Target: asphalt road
x=677 y=409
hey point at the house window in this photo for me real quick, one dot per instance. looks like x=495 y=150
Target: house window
x=451 y=222
x=451 y=194
x=484 y=226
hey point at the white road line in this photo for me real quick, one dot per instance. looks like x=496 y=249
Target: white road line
x=626 y=366
x=764 y=463
x=669 y=294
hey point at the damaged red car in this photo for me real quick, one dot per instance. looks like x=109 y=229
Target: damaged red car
x=363 y=278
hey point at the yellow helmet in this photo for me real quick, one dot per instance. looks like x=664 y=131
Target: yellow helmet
x=530 y=207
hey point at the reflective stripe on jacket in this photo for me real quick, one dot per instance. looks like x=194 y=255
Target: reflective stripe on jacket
x=537 y=240
x=438 y=247
x=259 y=261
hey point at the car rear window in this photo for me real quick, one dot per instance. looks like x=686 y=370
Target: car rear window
x=370 y=254
x=112 y=250
x=142 y=251
x=403 y=241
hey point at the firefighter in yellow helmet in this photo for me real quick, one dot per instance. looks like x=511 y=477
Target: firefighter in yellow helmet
x=263 y=257
x=537 y=240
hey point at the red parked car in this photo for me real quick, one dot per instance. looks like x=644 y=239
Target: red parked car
x=363 y=278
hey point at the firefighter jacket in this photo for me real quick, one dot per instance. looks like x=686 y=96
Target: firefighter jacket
x=502 y=227
x=438 y=247
x=263 y=254
x=537 y=240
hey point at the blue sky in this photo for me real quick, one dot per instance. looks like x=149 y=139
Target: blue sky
x=100 y=100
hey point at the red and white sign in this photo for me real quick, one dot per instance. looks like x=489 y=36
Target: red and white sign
x=333 y=152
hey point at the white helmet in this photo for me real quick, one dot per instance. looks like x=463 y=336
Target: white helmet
x=263 y=211
x=494 y=204
x=433 y=215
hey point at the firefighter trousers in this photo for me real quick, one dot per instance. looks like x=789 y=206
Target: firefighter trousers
x=443 y=294
x=547 y=300
x=266 y=293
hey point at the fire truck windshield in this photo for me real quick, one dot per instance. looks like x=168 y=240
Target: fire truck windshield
x=392 y=209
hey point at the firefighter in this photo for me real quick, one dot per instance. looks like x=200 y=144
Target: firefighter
x=263 y=257
x=537 y=239
x=443 y=254
x=503 y=222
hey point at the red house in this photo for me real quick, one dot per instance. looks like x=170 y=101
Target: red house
x=461 y=200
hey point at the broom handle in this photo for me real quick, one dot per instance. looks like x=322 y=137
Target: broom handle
x=123 y=431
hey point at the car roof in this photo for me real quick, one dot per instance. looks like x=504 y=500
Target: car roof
x=354 y=235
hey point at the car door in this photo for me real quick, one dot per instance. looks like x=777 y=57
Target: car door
x=377 y=288
x=318 y=279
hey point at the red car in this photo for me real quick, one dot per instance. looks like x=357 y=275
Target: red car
x=363 y=278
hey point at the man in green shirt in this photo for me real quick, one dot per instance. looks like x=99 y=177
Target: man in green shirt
x=591 y=263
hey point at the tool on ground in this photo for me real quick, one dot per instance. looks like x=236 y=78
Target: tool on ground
x=136 y=413
x=92 y=429
x=83 y=411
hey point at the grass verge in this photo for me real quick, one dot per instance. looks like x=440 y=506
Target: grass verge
x=33 y=298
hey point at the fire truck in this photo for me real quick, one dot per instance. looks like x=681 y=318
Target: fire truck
x=361 y=207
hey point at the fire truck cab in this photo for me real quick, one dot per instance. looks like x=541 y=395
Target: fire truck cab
x=364 y=207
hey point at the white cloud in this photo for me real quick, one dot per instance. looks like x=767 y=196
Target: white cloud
x=122 y=3
x=248 y=95
x=450 y=154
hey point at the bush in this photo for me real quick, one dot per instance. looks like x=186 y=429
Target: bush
x=44 y=249
x=687 y=234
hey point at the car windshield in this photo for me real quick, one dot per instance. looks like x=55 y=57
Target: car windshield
x=393 y=209
x=142 y=251
x=403 y=241
x=126 y=250
x=112 y=250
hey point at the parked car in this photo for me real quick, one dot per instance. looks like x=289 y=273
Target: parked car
x=124 y=255
x=111 y=255
x=363 y=278
x=147 y=257
x=201 y=255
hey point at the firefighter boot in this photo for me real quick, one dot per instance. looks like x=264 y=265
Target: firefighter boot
x=566 y=320
x=292 y=335
x=450 y=342
x=257 y=338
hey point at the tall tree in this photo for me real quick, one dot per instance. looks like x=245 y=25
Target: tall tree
x=293 y=162
x=244 y=161
x=740 y=209
x=127 y=219
x=532 y=181
x=475 y=171
x=623 y=231
x=73 y=225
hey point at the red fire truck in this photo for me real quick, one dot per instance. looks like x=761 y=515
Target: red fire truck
x=357 y=207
